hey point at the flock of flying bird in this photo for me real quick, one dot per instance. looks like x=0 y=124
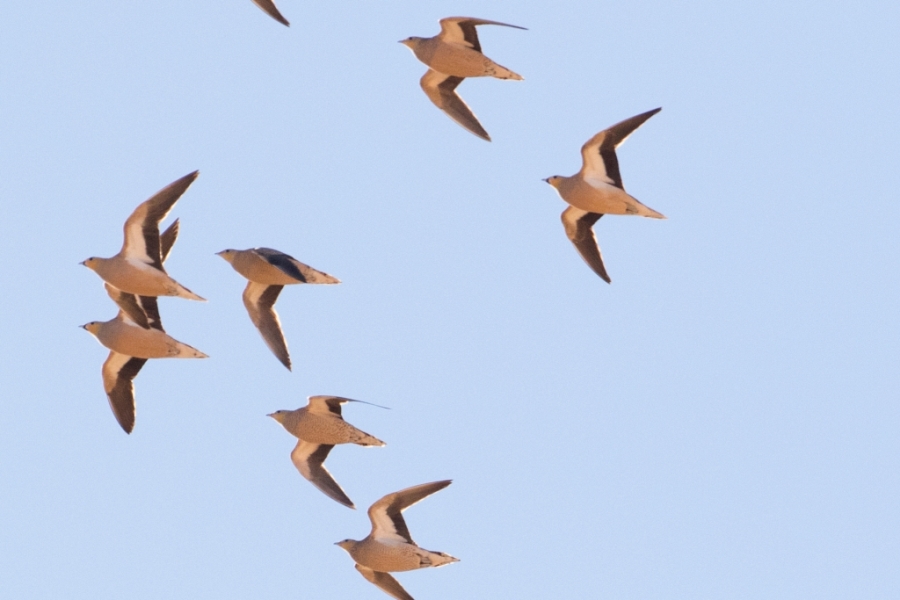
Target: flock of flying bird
x=135 y=277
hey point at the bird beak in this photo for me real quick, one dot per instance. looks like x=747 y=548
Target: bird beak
x=271 y=415
x=546 y=180
x=82 y=263
x=84 y=326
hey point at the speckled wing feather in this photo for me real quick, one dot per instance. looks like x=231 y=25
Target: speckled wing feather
x=386 y=582
x=309 y=459
x=579 y=229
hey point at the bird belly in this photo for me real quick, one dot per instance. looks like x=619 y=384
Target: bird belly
x=136 y=278
x=323 y=430
x=600 y=197
x=387 y=556
x=459 y=61
x=136 y=341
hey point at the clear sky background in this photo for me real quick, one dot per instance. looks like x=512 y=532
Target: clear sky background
x=720 y=422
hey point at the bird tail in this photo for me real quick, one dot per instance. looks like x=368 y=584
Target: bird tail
x=364 y=439
x=183 y=292
x=633 y=207
x=501 y=72
x=436 y=559
x=185 y=351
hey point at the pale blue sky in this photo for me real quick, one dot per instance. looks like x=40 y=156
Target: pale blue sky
x=720 y=422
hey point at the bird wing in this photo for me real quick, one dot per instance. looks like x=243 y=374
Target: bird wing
x=130 y=304
x=599 y=153
x=330 y=405
x=461 y=30
x=441 y=90
x=309 y=459
x=272 y=11
x=386 y=514
x=119 y=372
x=285 y=263
x=167 y=240
x=259 y=299
x=142 y=227
x=385 y=581
x=578 y=224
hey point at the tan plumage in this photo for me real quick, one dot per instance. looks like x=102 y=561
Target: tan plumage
x=319 y=427
x=389 y=547
x=269 y=7
x=119 y=370
x=268 y=271
x=597 y=190
x=453 y=55
x=137 y=268
x=124 y=336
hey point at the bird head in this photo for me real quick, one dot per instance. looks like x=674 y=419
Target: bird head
x=227 y=254
x=411 y=42
x=346 y=544
x=554 y=181
x=279 y=415
x=91 y=263
x=93 y=327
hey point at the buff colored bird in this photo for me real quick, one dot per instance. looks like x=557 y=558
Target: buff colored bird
x=389 y=547
x=268 y=271
x=137 y=268
x=319 y=427
x=597 y=190
x=119 y=370
x=131 y=346
x=453 y=55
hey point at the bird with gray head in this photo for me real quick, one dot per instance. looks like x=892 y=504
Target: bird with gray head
x=319 y=427
x=452 y=55
x=389 y=547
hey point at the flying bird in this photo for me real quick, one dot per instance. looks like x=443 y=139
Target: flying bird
x=319 y=427
x=269 y=7
x=131 y=346
x=119 y=370
x=452 y=55
x=144 y=310
x=597 y=190
x=137 y=268
x=268 y=271
x=389 y=547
